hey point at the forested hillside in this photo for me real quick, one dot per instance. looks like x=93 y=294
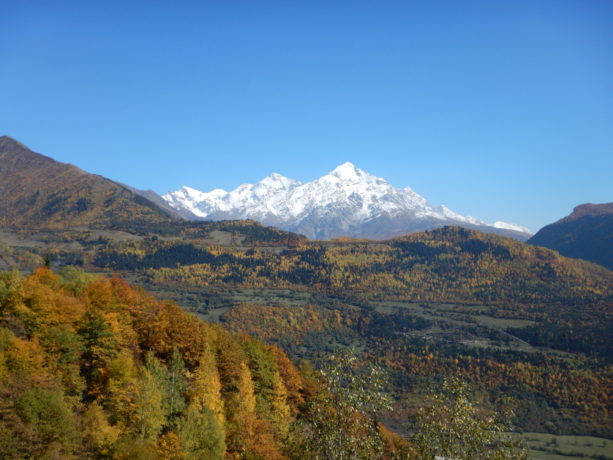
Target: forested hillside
x=451 y=264
x=528 y=328
x=514 y=319
x=91 y=367
x=568 y=297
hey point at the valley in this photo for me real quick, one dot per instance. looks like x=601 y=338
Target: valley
x=400 y=303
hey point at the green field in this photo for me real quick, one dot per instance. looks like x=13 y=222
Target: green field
x=558 y=447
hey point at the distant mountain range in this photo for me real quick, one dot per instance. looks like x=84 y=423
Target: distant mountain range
x=346 y=202
x=41 y=193
x=587 y=234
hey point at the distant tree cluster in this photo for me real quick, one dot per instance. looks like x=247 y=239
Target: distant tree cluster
x=452 y=264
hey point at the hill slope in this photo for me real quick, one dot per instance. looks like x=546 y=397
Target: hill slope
x=451 y=264
x=41 y=193
x=92 y=368
x=587 y=234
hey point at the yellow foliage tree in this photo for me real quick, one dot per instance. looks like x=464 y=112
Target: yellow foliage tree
x=205 y=389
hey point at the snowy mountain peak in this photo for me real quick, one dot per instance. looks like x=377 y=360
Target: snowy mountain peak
x=278 y=181
x=196 y=194
x=348 y=171
x=346 y=202
x=187 y=189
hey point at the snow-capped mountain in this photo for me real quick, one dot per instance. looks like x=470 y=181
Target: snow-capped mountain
x=346 y=202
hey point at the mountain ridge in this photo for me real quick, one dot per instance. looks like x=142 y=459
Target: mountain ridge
x=588 y=209
x=346 y=202
x=586 y=233
x=42 y=193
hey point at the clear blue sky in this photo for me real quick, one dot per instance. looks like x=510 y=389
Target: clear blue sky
x=501 y=110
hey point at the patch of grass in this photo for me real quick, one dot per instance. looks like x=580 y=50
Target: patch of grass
x=562 y=447
x=502 y=323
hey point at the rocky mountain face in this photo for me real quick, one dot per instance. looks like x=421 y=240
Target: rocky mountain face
x=346 y=202
x=41 y=193
x=587 y=233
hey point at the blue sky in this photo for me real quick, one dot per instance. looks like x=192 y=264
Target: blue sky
x=500 y=110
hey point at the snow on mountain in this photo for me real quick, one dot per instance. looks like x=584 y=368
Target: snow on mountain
x=346 y=202
x=509 y=226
